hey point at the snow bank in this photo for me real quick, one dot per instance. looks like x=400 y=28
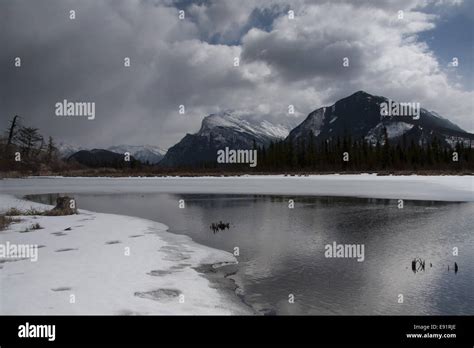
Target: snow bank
x=394 y=130
x=440 y=188
x=85 y=255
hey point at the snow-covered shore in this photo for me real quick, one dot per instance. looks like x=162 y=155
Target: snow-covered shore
x=93 y=263
x=85 y=255
x=440 y=188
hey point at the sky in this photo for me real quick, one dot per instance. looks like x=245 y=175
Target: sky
x=400 y=49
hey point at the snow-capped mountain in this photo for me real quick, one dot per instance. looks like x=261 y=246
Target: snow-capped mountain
x=359 y=116
x=65 y=150
x=225 y=129
x=143 y=153
x=228 y=120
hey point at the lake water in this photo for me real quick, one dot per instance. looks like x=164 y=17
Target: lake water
x=282 y=250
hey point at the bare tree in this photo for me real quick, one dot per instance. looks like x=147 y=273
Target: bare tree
x=12 y=130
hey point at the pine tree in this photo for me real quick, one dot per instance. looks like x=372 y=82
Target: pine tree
x=51 y=150
x=30 y=141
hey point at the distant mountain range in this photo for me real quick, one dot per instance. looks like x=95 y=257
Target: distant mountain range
x=143 y=153
x=358 y=116
x=97 y=158
x=65 y=150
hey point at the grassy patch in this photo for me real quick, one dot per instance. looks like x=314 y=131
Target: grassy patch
x=18 y=212
x=57 y=212
x=32 y=212
x=5 y=221
x=13 y=212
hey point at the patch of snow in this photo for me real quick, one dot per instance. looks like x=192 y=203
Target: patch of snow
x=137 y=148
x=276 y=131
x=85 y=255
x=238 y=123
x=65 y=150
x=143 y=153
x=453 y=141
x=315 y=121
x=394 y=130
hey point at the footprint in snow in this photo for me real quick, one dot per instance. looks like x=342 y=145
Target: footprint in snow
x=63 y=288
x=113 y=242
x=159 y=294
x=65 y=249
x=59 y=234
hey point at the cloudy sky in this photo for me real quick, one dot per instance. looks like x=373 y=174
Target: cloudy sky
x=190 y=61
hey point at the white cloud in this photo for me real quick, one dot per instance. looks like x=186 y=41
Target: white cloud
x=295 y=62
x=384 y=55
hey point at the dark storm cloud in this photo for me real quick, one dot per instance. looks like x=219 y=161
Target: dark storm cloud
x=190 y=62
x=82 y=60
x=300 y=58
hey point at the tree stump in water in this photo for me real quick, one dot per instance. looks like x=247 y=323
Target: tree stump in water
x=64 y=206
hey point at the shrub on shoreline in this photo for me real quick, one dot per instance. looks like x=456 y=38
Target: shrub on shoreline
x=18 y=212
x=63 y=207
x=5 y=221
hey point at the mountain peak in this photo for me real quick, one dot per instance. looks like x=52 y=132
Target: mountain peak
x=220 y=119
x=144 y=153
x=358 y=96
x=359 y=116
x=241 y=122
x=361 y=92
x=229 y=128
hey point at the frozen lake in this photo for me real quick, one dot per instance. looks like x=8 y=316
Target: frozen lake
x=438 y=188
x=282 y=250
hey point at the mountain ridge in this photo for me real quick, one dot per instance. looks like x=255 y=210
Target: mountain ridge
x=220 y=130
x=97 y=158
x=144 y=153
x=358 y=116
x=337 y=120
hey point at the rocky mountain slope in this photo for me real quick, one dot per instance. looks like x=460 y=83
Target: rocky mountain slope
x=359 y=116
x=218 y=131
